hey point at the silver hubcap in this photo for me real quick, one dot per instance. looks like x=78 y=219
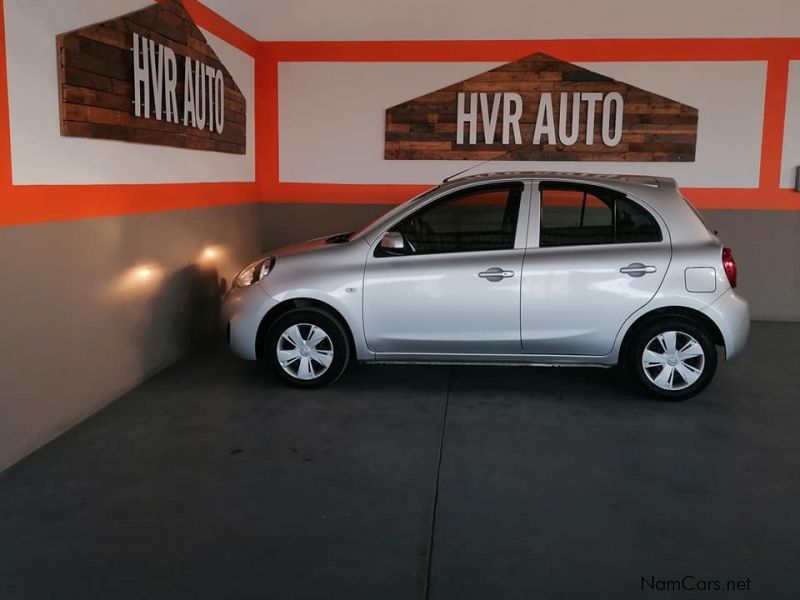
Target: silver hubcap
x=673 y=360
x=305 y=351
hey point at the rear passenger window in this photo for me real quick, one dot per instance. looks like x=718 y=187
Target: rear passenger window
x=577 y=215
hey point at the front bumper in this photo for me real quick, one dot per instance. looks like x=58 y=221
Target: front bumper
x=731 y=313
x=243 y=309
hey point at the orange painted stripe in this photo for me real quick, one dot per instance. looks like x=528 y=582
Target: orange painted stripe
x=743 y=199
x=44 y=203
x=266 y=121
x=343 y=193
x=655 y=50
x=329 y=193
x=774 y=122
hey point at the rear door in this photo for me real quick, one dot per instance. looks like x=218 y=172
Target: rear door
x=455 y=289
x=597 y=257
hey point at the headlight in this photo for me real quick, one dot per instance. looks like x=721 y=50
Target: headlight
x=254 y=272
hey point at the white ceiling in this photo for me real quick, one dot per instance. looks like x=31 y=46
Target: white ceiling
x=319 y=20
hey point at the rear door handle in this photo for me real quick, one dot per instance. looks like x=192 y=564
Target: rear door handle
x=495 y=274
x=637 y=269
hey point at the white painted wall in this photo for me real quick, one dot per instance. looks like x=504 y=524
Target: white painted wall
x=348 y=148
x=791 y=132
x=40 y=155
x=509 y=19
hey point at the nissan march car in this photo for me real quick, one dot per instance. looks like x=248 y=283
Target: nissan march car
x=517 y=268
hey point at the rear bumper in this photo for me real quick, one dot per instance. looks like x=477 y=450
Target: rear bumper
x=242 y=312
x=731 y=313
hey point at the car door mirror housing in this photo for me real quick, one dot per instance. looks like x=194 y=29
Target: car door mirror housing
x=393 y=241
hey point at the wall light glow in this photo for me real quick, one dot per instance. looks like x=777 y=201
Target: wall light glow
x=144 y=272
x=142 y=278
x=211 y=255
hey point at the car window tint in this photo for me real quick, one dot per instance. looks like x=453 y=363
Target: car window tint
x=476 y=220
x=635 y=224
x=576 y=215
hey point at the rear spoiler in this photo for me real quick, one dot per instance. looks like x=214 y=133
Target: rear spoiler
x=666 y=183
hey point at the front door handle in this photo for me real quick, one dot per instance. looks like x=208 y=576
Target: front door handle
x=495 y=274
x=638 y=269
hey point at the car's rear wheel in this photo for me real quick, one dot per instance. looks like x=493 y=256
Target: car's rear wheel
x=307 y=348
x=673 y=359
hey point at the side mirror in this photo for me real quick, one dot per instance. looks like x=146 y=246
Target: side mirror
x=393 y=242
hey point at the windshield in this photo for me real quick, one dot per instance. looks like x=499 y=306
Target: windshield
x=387 y=217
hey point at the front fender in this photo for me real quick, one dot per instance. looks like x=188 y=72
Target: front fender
x=347 y=303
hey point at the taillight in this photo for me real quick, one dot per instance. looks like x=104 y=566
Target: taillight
x=729 y=264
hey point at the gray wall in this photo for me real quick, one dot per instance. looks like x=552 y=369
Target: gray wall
x=766 y=245
x=81 y=323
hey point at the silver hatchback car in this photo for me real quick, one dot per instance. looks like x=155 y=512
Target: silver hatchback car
x=517 y=268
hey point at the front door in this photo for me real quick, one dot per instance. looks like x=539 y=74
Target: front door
x=454 y=287
x=601 y=256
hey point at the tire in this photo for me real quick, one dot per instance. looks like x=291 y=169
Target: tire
x=673 y=359
x=313 y=345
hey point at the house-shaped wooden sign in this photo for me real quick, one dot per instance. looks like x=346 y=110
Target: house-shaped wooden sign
x=149 y=77
x=541 y=108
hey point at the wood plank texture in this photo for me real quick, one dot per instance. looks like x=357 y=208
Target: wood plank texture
x=654 y=128
x=95 y=72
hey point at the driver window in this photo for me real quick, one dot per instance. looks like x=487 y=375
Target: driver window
x=472 y=221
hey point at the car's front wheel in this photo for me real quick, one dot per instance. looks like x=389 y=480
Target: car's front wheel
x=674 y=359
x=307 y=348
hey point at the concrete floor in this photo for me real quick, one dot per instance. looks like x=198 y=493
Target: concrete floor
x=214 y=481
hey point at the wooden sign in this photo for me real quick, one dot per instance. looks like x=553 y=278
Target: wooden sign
x=149 y=77
x=541 y=108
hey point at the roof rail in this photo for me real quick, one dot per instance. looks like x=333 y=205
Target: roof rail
x=666 y=183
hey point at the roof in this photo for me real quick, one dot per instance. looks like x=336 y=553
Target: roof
x=649 y=181
x=659 y=193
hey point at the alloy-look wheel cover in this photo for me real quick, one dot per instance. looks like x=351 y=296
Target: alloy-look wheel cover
x=305 y=351
x=673 y=360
